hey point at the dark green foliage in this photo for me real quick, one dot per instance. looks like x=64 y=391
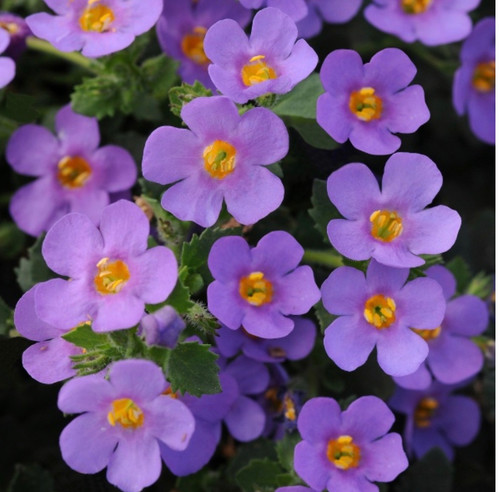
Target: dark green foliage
x=185 y=93
x=33 y=269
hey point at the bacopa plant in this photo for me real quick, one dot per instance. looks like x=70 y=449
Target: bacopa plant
x=247 y=245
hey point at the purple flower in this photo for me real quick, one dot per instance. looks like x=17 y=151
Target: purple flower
x=335 y=12
x=111 y=273
x=474 y=82
x=368 y=103
x=124 y=421
x=7 y=65
x=348 y=450
x=391 y=224
x=220 y=157
x=73 y=174
x=162 y=327
x=431 y=22
x=270 y=61
x=453 y=357
x=297 y=345
x=380 y=310
x=18 y=31
x=260 y=287
x=47 y=361
x=436 y=418
x=97 y=27
x=182 y=28
x=296 y=9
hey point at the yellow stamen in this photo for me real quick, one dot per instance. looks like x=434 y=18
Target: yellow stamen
x=380 y=311
x=428 y=334
x=192 y=46
x=483 y=79
x=424 y=411
x=365 y=104
x=111 y=276
x=169 y=392
x=73 y=171
x=126 y=413
x=10 y=27
x=256 y=289
x=415 y=6
x=290 y=412
x=387 y=225
x=96 y=18
x=343 y=453
x=257 y=71
x=276 y=404
x=220 y=159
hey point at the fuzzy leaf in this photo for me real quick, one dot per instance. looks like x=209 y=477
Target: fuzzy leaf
x=33 y=269
x=83 y=336
x=258 y=475
x=185 y=93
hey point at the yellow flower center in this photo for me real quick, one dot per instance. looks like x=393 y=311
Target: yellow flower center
x=256 y=71
x=220 y=159
x=387 y=225
x=256 y=289
x=290 y=411
x=415 y=6
x=192 y=46
x=365 y=104
x=428 y=334
x=343 y=453
x=96 y=17
x=483 y=79
x=111 y=276
x=380 y=311
x=10 y=27
x=424 y=412
x=126 y=413
x=73 y=171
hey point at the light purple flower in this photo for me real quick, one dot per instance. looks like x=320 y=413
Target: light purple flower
x=259 y=288
x=436 y=418
x=124 y=420
x=332 y=11
x=47 y=361
x=380 y=311
x=97 y=27
x=7 y=65
x=390 y=223
x=432 y=22
x=162 y=327
x=296 y=9
x=348 y=450
x=368 y=103
x=453 y=357
x=269 y=61
x=112 y=274
x=220 y=157
x=474 y=82
x=297 y=345
x=18 y=30
x=182 y=28
x=73 y=173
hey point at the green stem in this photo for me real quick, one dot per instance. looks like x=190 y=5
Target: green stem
x=73 y=57
x=325 y=257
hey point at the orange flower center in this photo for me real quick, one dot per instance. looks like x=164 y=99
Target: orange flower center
x=256 y=289
x=10 y=27
x=365 y=104
x=192 y=46
x=343 y=453
x=256 y=71
x=220 y=159
x=424 y=412
x=415 y=6
x=111 y=276
x=380 y=311
x=387 y=225
x=73 y=171
x=483 y=79
x=96 y=17
x=126 y=413
x=428 y=334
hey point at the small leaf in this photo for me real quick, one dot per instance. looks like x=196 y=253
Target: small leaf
x=6 y=318
x=199 y=320
x=258 y=475
x=285 y=449
x=461 y=272
x=322 y=210
x=179 y=299
x=33 y=269
x=159 y=74
x=325 y=319
x=311 y=132
x=83 y=336
x=185 y=93
x=192 y=368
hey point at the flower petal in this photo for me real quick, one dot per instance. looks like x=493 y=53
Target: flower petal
x=77 y=133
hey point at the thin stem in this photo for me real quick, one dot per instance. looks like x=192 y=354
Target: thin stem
x=324 y=257
x=73 y=57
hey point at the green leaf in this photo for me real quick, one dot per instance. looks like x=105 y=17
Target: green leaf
x=19 y=108
x=159 y=74
x=325 y=319
x=28 y=478
x=258 y=475
x=322 y=210
x=6 y=318
x=33 y=269
x=285 y=449
x=481 y=286
x=311 y=132
x=83 y=336
x=200 y=321
x=461 y=272
x=179 y=299
x=185 y=93
x=12 y=240
x=192 y=368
